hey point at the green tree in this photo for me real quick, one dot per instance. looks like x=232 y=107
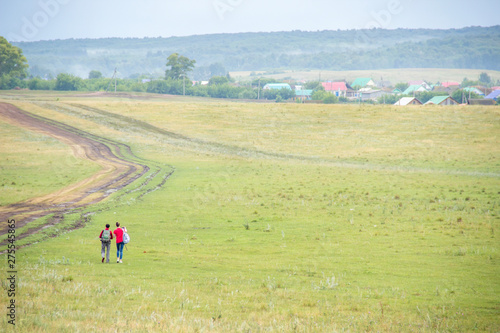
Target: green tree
x=326 y=97
x=314 y=85
x=68 y=82
x=388 y=99
x=484 y=78
x=468 y=83
x=262 y=82
x=286 y=94
x=13 y=65
x=169 y=86
x=330 y=99
x=218 y=80
x=460 y=94
x=179 y=66
x=95 y=75
x=248 y=93
x=12 y=61
x=39 y=84
x=223 y=91
x=401 y=86
x=217 y=69
x=281 y=94
x=318 y=95
x=269 y=94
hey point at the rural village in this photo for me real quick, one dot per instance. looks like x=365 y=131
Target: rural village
x=369 y=90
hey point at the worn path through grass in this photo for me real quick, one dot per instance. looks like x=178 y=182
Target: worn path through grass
x=118 y=169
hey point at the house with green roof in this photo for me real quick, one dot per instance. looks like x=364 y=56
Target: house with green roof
x=277 y=86
x=363 y=82
x=442 y=100
x=413 y=89
x=303 y=95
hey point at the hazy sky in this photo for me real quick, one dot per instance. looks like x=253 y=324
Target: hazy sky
x=31 y=20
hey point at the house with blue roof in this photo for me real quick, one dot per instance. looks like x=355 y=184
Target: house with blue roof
x=494 y=95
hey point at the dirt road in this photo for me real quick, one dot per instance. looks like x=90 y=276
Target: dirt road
x=116 y=170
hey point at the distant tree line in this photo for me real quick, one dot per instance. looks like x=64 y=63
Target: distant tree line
x=474 y=48
x=218 y=89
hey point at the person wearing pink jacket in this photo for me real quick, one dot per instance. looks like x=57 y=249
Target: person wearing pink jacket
x=118 y=232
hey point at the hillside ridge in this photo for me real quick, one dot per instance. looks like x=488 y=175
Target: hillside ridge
x=467 y=48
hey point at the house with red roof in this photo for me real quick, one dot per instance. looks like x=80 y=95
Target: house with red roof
x=339 y=89
x=450 y=84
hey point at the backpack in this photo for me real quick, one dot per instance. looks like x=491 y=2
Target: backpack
x=126 y=238
x=106 y=236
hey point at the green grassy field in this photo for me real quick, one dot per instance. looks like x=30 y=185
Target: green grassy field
x=23 y=152
x=278 y=217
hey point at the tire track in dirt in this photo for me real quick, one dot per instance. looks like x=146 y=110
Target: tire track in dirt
x=117 y=171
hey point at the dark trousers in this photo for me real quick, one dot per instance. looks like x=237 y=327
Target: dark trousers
x=105 y=247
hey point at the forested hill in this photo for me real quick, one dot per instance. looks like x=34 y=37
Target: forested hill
x=472 y=48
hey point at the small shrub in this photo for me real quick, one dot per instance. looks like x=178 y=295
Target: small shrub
x=67 y=278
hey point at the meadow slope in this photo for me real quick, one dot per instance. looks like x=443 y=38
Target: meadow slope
x=278 y=217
